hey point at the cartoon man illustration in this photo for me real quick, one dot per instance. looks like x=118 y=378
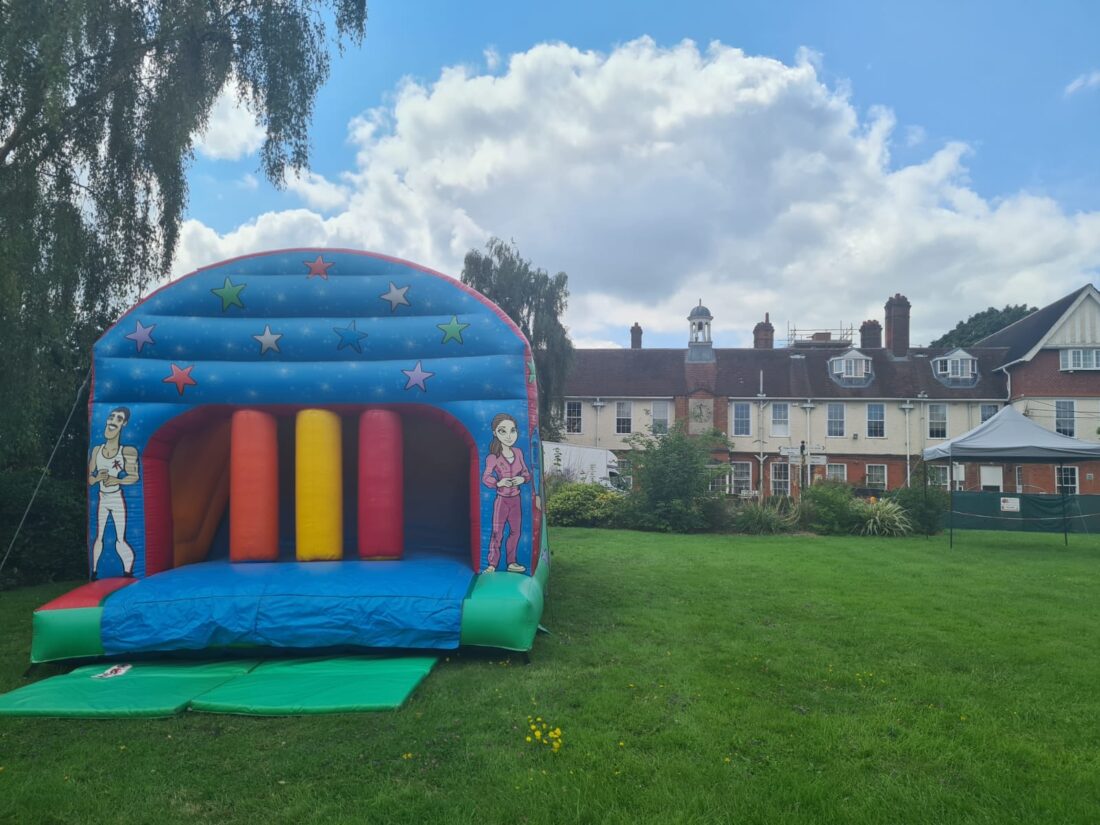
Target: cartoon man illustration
x=505 y=472
x=112 y=467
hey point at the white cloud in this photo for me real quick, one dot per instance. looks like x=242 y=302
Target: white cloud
x=232 y=131
x=248 y=181
x=318 y=192
x=1089 y=80
x=658 y=176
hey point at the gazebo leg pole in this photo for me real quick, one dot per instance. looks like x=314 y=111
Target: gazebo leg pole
x=1065 y=522
x=951 y=499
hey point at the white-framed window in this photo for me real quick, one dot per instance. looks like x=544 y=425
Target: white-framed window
x=1079 y=359
x=876 y=421
x=1067 y=480
x=835 y=421
x=876 y=476
x=720 y=481
x=742 y=418
x=988 y=411
x=1019 y=478
x=624 y=417
x=741 y=477
x=660 y=417
x=1064 y=418
x=937 y=421
x=573 y=416
x=781 y=418
x=781 y=478
x=836 y=472
x=852 y=364
x=962 y=366
x=937 y=476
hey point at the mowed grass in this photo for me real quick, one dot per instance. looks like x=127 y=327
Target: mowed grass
x=695 y=679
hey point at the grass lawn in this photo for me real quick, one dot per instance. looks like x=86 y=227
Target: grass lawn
x=695 y=679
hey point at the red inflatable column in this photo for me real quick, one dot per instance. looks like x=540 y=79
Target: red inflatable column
x=254 y=487
x=381 y=485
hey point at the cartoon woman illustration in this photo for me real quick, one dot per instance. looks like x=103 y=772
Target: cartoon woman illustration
x=505 y=472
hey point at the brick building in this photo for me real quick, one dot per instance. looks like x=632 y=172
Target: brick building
x=862 y=409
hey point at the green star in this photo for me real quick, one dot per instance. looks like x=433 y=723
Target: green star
x=230 y=294
x=453 y=330
x=531 y=375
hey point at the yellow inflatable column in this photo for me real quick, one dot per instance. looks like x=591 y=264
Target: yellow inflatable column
x=319 y=492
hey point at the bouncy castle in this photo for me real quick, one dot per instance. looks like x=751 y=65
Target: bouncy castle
x=306 y=449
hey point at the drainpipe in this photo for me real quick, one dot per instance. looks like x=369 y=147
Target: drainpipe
x=761 y=457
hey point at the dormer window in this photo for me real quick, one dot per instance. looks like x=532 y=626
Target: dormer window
x=956 y=369
x=852 y=369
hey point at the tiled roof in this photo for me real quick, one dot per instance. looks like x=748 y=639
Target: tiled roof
x=1018 y=338
x=647 y=373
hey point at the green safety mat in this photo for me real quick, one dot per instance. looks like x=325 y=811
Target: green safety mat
x=277 y=687
x=282 y=687
x=121 y=690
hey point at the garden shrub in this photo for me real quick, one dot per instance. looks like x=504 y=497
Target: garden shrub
x=585 y=505
x=829 y=508
x=925 y=505
x=52 y=545
x=774 y=515
x=882 y=517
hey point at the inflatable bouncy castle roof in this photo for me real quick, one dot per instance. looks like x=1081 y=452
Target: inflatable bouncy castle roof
x=309 y=448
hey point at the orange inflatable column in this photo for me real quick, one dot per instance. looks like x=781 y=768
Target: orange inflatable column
x=254 y=487
x=381 y=485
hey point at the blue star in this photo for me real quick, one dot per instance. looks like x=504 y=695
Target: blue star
x=350 y=337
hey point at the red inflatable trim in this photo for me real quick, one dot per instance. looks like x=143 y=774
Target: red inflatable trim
x=88 y=595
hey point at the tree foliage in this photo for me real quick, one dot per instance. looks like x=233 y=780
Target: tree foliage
x=100 y=102
x=672 y=474
x=981 y=324
x=535 y=300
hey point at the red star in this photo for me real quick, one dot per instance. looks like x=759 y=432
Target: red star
x=318 y=268
x=181 y=378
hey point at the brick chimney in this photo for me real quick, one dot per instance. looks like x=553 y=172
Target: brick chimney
x=870 y=335
x=897 y=325
x=763 y=334
x=636 y=336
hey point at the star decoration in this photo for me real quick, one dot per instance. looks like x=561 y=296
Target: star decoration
x=396 y=296
x=143 y=335
x=269 y=339
x=417 y=376
x=181 y=378
x=531 y=371
x=453 y=330
x=318 y=268
x=350 y=337
x=230 y=294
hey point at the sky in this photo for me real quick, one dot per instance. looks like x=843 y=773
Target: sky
x=803 y=159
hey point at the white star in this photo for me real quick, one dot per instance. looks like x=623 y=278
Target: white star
x=269 y=339
x=396 y=296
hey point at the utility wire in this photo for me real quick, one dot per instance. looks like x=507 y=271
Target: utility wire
x=45 y=469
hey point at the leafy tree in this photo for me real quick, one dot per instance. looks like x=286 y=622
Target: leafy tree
x=981 y=324
x=535 y=300
x=100 y=101
x=672 y=473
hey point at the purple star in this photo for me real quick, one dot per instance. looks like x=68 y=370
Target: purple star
x=143 y=335
x=417 y=376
